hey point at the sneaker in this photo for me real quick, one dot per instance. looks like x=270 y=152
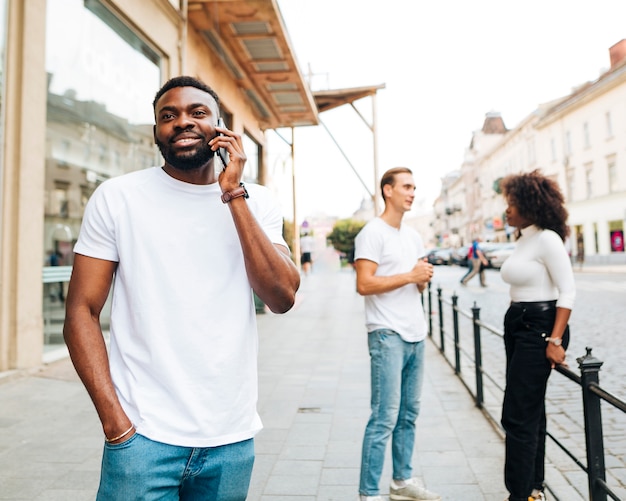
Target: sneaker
x=413 y=491
x=371 y=498
x=536 y=494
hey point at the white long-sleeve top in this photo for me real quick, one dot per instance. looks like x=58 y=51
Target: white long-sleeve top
x=539 y=269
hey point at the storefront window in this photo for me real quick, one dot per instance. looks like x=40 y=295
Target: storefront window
x=3 y=44
x=616 y=231
x=253 y=154
x=101 y=81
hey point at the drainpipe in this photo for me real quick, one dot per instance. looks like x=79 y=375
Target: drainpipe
x=182 y=40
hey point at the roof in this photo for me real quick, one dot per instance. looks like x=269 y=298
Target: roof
x=251 y=39
x=329 y=99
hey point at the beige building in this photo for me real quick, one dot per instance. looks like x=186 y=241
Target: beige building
x=578 y=140
x=78 y=79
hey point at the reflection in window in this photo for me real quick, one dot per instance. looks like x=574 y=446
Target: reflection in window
x=3 y=35
x=253 y=153
x=60 y=202
x=101 y=81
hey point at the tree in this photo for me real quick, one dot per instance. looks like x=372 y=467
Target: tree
x=343 y=235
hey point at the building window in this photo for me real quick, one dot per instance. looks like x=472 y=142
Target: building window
x=568 y=143
x=570 y=184
x=616 y=233
x=60 y=203
x=611 y=163
x=589 y=179
x=253 y=152
x=553 y=149
x=3 y=51
x=609 y=125
x=586 y=137
x=102 y=78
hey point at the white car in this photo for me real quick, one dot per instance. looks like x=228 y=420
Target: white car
x=498 y=254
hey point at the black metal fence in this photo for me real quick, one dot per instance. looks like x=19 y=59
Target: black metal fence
x=588 y=380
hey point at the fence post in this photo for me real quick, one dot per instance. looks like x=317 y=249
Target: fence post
x=478 y=356
x=589 y=368
x=430 y=311
x=455 y=326
x=440 y=307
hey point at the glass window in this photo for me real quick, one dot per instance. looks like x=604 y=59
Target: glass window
x=571 y=179
x=102 y=78
x=568 y=143
x=586 y=135
x=611 y=162
x=609 y=125
x=3 y=35
x=589 y=179
x=253 y=153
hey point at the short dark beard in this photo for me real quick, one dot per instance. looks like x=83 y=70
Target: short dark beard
x=198 y=159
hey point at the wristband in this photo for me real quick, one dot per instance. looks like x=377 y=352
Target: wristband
x=241 y=191
x=556 y=341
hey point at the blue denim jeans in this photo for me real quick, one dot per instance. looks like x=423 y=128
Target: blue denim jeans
x=397 y=369
x=143 y=470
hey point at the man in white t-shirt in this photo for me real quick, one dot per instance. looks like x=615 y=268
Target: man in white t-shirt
x=392 y=273
x=185 y=247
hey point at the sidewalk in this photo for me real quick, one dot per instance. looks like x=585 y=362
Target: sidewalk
x=314 y=402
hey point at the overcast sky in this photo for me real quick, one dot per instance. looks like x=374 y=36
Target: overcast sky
x=445 y=65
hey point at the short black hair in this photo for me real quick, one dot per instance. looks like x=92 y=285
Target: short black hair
x=185 y=81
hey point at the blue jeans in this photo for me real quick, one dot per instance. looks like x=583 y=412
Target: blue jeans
x=397 y=369
x=143 y=470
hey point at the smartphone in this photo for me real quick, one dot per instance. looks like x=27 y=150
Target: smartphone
x=222 y=153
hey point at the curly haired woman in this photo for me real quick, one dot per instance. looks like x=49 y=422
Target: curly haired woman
x=536 y=333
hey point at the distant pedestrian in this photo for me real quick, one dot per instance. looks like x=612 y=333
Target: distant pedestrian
x=468 y=260
x=478 y=263
x=580 y=251
x=54 y=259
x=536 y=333
x=307 y=245
x=185 y=247
x=391 y=274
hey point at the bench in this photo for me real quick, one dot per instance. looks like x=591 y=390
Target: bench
x=55 y=274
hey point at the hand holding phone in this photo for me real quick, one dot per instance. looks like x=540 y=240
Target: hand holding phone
x=222 y=153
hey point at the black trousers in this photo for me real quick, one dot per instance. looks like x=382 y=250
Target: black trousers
x=526 y=325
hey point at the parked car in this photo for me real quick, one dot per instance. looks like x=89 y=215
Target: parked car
x=439 y=256
x=459 y=255
x=497 y=253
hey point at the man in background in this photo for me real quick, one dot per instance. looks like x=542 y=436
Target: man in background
x=307 y=245
x=391 y=272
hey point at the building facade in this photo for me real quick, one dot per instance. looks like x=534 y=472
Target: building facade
x=579 y=141
x=78 y=80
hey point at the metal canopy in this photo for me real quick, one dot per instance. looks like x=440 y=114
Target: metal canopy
x=251 y=40
x=329 y=99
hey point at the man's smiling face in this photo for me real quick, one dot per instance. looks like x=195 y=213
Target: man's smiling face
x=185 y=123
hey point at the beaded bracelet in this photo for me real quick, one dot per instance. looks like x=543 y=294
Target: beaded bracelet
x=114 y=439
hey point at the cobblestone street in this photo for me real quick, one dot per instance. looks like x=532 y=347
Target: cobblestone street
x=596 y=322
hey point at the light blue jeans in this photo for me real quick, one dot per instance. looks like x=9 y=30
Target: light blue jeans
x=397 y=370
x=143 y=470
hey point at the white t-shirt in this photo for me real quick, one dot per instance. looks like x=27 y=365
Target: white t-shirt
x=183 y=351
x=395 y=251
x=539 y=269
x=307 y=243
